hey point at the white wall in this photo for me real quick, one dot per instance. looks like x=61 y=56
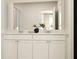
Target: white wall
x=69 y=27
x=3 y=23
x=3 y=15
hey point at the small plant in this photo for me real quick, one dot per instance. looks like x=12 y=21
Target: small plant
x=34 y=26
x=42 y=25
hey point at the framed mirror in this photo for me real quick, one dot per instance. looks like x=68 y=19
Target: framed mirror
x=30 y=14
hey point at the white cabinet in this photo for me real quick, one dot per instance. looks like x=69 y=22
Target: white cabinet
x=25 y=50
x=49 y=50
x=32 y=50
x=40 y=50
x=57 y=50
x=10 y=49
x=38 y=47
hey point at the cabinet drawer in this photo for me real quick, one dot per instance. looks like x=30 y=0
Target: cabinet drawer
x=17 y=36
x=48 y=37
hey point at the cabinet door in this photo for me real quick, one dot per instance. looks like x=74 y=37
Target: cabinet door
x=10 y=49
x=40 y=50
x=25 y=50
x=57 y=50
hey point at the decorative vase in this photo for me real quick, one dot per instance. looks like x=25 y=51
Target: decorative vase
x=36 y=30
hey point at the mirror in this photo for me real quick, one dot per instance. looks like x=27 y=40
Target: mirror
x=27 y=16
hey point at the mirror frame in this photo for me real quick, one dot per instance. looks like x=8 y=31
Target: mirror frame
x=11 y=16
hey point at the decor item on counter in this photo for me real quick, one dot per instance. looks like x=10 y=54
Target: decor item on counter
x=36 y=30
x=34 y=26
x=42 y=25
x=19 y=29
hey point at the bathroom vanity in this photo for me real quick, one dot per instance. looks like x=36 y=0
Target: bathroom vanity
x=35 y=46
x=53 y=39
